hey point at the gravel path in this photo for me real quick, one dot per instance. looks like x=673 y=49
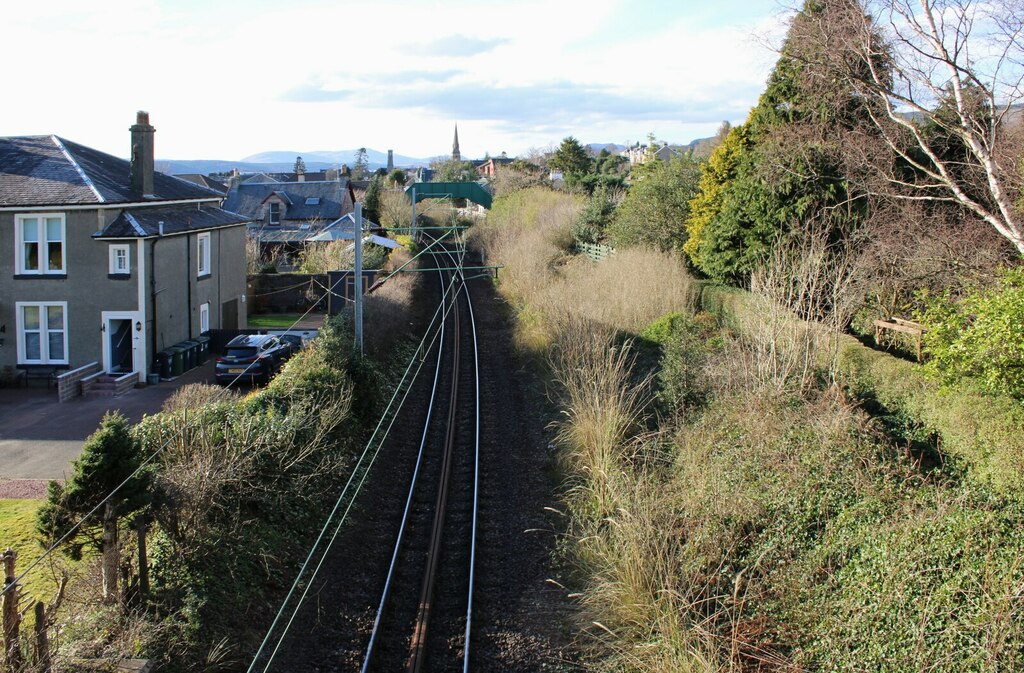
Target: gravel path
x=30 y=489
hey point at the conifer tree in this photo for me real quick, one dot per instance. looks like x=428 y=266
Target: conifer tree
x=783 y=168
x=110 y=457
x=371 y=202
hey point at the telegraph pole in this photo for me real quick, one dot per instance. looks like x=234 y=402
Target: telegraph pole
x=359 y=278
x=412 y=224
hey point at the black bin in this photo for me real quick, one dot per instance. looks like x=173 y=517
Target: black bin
x=188 y=355
x=163 y=365
x=203 y=350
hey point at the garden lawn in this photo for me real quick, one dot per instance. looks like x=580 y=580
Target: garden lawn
x=17 y=531
x=274 y=320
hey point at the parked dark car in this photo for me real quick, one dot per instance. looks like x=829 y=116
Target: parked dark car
x=292 y=343
x=250 y=358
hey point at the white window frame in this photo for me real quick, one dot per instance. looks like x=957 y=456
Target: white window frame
x=204 y=317
x=45 y=356
x=42 y=241
x=203 y=254
x=275 y=216
x=114 y=258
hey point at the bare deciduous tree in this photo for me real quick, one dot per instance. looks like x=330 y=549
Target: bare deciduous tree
x=806 y=297
x=937 y=71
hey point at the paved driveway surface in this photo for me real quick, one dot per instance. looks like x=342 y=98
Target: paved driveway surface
x=39 y=436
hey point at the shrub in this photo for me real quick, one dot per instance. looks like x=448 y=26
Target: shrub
x=981 y=336
x=683 y=346
x=195 y=395
x=594 y=216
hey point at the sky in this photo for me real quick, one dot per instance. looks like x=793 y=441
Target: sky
x=227 y=79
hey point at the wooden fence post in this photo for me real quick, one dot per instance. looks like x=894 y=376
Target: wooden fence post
x=43 y=662
x=12 y=618
x=110 y=554
x=141 y=526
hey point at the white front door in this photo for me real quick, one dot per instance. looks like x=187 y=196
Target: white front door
x=122 y=349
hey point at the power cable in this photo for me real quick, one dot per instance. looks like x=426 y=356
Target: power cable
x=341 y=498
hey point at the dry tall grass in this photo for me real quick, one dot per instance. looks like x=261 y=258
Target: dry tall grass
x=531 y=235
x=621 y=527
x=575 y=308
x=387 y=310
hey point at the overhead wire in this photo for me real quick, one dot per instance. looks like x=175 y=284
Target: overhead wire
x=409 y=497
x=357 y=469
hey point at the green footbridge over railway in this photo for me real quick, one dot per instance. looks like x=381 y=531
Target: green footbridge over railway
x=471 y=191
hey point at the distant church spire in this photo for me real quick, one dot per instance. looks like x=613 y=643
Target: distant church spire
x=456 y=155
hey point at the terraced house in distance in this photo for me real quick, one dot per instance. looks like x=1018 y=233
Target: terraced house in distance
x=105 y=260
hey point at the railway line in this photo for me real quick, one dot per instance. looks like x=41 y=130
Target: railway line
x=432 y=570
x=424 y=619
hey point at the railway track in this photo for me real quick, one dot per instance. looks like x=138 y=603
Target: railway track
x=424 y=618
x=364 y=607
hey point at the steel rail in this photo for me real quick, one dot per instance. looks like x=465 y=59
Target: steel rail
x=419 y=635
x=409 y=497
x=444 y=309
x=476 y=477
x=417 y=652
x=356 y=470
x=476 y=460
x=459 y=269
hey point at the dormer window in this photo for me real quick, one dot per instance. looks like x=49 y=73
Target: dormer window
x=275 y=213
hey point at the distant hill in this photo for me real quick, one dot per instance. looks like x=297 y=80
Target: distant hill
x=611 y=147
x=207 y=166
x=284 y=162
x=334 y=159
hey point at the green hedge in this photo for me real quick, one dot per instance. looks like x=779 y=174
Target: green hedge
x=983 y=432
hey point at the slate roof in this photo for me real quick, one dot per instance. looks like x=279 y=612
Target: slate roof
x=258 y=178
x=49 y=170
x=343 y=229
x=248 y=198
x=311 y=176
x=267 y=235
x=177 y=219
x=204 y=181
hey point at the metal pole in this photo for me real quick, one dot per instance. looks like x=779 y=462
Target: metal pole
x=359 y=277
x=413 y=224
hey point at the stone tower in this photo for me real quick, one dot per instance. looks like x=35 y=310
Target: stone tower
x=456 y=155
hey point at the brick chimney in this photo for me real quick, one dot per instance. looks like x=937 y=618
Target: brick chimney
x=142 y=155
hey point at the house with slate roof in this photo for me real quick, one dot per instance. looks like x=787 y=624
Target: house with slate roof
x=106 y=260
x=285 y=215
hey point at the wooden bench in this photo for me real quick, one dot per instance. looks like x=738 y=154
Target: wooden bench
x=910 y=327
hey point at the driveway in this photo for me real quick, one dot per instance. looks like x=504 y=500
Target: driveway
x=39 y=436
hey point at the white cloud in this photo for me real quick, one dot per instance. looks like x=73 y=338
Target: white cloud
x=228 y=79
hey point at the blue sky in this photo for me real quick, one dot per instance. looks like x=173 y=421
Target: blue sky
x=228 y=79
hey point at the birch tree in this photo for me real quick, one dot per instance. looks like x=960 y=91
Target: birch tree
x=939 y=70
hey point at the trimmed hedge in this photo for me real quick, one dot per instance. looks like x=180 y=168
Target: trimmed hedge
x=983 y=432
